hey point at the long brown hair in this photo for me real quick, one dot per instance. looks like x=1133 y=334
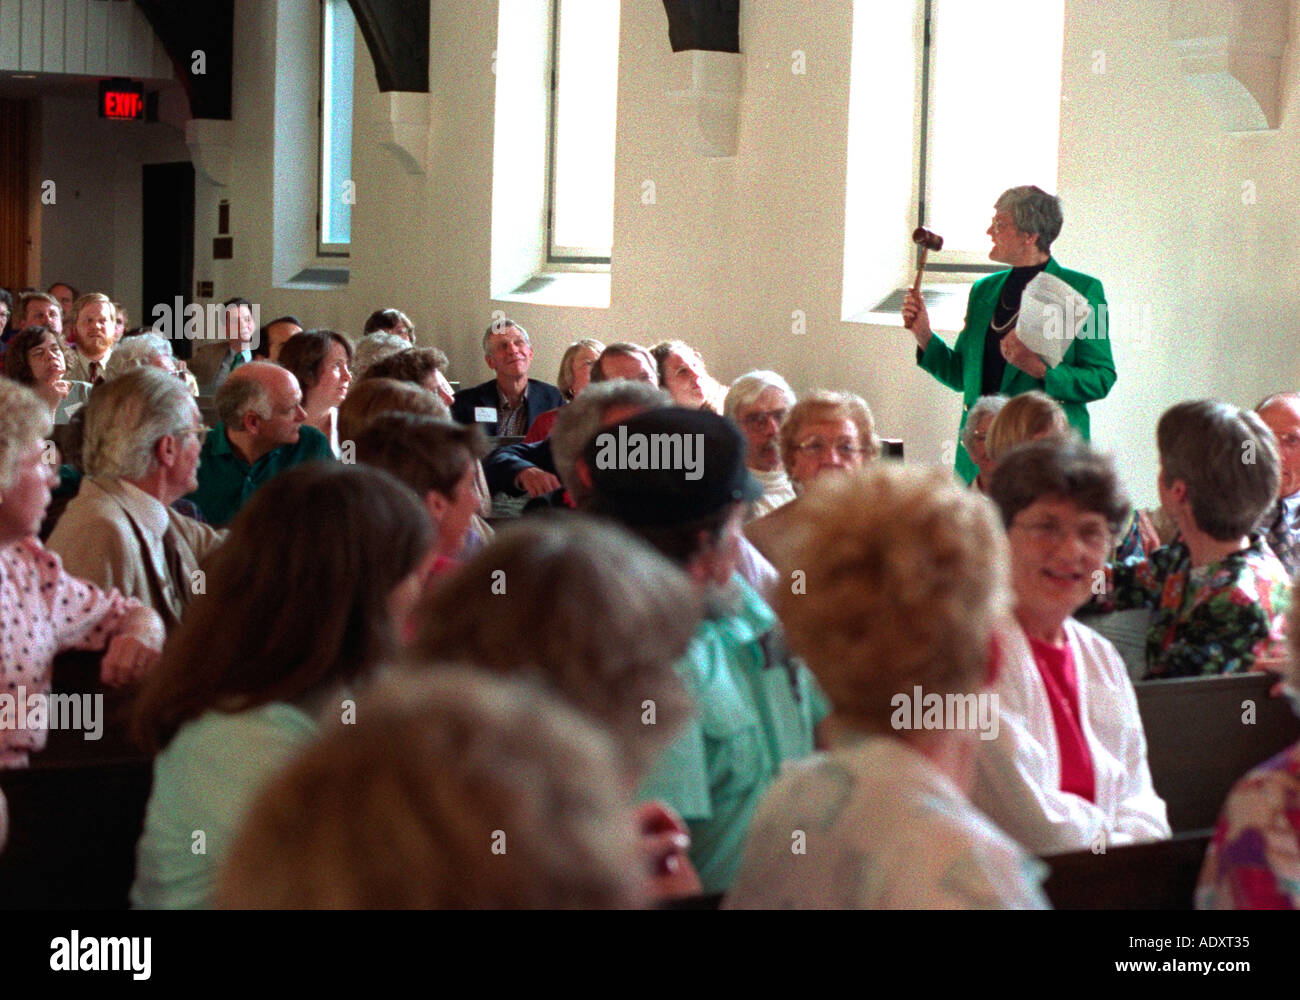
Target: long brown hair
x=296 y=598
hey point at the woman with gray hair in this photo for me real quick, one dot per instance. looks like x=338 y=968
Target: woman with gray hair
x=57 y=610
x=988 y=356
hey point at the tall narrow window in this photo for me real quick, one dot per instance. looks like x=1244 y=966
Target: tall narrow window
x=992 y=117
x=337 y=190
x=584 y=99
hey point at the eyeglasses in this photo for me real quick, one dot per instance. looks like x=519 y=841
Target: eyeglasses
x=1095 y=537
x=817 y=448
x=201 y=433
x=759 y=420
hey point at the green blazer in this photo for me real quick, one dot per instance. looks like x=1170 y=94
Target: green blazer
x=1085 y=373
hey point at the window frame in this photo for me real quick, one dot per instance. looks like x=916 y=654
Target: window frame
x=960 y=265
x=324 y=52
x=564 y=258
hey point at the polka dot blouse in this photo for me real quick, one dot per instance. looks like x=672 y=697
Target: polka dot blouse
x=43 y=611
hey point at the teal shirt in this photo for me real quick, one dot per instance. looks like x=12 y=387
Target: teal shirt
x=1086 y=372
x=204 y=782
x=226 y=481
x=756 y=707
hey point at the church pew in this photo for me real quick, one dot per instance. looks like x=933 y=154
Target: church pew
x=1198 y=744
x=72 y=834
x=1155 y=876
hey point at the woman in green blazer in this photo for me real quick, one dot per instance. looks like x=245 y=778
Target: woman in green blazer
x=988 y=357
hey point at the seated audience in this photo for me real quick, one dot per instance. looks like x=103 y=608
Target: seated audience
x=575 y=374
x=34 y=358
x=1253 y=861
x=628 y=361
x=90 y=344
x=375 y=347
x=66 y=296
x=392 y=321
x=1217 y=592
x=319 y=360
x=609 y=403
x=141 y=452
x=6 y=313
x=272 y=337
x=148 y=349
x=295 y=612
x=260 y=434
x=682 y=373
x=1030 y=416
x=438 y=459
x=120 y=320
x=757 y=707
x=425 y=366
x=602 y=619
x=974 y=437
x=824 y=431
x=56 y=610
x=39 y=309
x=212 y=362
x=906 y=589
x=1035 y=416
x=506 y=405
x=1067 y=769
x=423 y=805
x=758 y=402
x=1281 y=521
x=375 y=396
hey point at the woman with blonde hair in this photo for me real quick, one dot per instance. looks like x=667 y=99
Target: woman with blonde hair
x=575 y=375
x=903 y=593
x=823 y=432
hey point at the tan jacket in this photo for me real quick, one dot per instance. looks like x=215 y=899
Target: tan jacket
x=206 y=364
x=112 y=534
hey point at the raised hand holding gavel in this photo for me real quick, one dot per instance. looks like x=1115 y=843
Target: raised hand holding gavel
x=915 y=316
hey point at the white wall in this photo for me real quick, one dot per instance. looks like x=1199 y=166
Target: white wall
x=90 y=235
x=1152 y=189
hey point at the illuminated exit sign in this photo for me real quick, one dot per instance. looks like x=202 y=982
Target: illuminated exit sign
x=121 y=99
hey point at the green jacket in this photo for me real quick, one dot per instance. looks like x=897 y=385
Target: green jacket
x=1085 y=373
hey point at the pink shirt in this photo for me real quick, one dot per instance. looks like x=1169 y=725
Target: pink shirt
x=1061 y=679
x=43 y=611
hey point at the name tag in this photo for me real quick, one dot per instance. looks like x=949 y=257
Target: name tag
x=485 y=415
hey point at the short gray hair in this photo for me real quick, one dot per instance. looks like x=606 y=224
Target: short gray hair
x=578 y=423
x=985 y=406
x=746 y=390
x=24 y=418
x=127 y=416
x=1034 y=211
x=1227 y=457
x=238 y=396
x=373 y=348
x=132 y=352
x=501 y=326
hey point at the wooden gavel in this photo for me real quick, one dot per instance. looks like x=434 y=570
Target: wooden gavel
x=927 y=241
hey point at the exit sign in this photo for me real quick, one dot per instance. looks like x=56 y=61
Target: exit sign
x=121 y=99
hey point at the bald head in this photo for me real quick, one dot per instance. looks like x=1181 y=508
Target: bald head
x=262 y=403
x=1281 y=412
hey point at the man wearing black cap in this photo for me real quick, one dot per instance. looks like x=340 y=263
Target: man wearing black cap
x=677 y=478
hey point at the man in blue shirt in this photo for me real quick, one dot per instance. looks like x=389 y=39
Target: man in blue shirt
x=260 y=434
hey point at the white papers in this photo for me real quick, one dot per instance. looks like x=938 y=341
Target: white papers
x=1051 y=316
